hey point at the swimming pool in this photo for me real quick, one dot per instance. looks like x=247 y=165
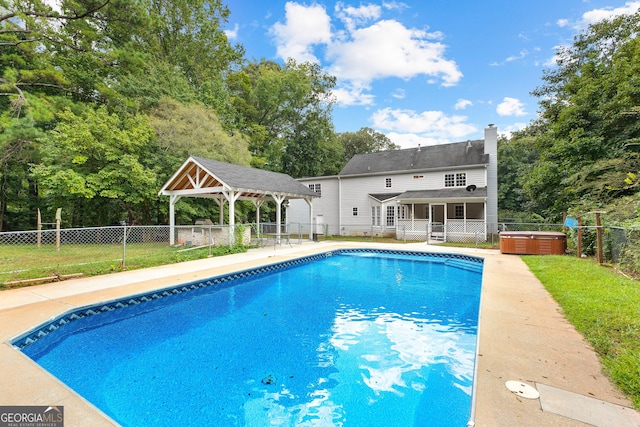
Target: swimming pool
x=350 y=337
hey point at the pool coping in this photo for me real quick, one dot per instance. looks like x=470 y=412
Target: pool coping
x=523 y=335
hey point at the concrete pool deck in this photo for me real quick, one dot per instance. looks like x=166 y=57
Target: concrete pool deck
x=523 y=337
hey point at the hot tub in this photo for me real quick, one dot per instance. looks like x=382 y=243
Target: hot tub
x=533 y=242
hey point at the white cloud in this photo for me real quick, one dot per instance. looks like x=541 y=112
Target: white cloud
x=521 y=55
x=389 y=49
x=233 y=33
x=596 y=15
x=508 y=130
x=511 y=107
x=366 y=49
x=462 y=104
x=348 y=95
x=395 y=5
x=399 y=93
x=355 y=16
x=428 y=127
x=304 y=27
x=411 y=140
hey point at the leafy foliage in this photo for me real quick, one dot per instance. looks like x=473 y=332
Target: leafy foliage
x=101 y=100
x=584 y=145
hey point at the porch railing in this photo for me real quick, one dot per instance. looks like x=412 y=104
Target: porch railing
x=454 y=230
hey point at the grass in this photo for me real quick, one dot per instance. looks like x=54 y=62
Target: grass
x=21 y=262
x=604 y=306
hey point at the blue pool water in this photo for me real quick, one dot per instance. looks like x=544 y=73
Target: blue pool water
x=349 y=338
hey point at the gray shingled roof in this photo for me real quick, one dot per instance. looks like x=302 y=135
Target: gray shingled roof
x=430 y=157
x=448 y=193
x=242 y=177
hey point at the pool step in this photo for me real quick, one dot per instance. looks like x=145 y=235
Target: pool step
x=465 y=265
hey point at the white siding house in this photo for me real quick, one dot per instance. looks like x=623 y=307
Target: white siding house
x=443 y=192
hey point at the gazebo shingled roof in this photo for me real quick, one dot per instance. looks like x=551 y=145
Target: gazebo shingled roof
x=225 y=182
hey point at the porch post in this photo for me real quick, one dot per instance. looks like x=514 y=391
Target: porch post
x=231 y=197
x=258 y=203
x=172 y=218
x=309 y=201
x=279 y=199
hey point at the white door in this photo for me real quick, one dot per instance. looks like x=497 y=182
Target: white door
x=436 y=221
x=320 y=224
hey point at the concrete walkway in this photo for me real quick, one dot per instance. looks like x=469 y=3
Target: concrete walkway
x=523 y=337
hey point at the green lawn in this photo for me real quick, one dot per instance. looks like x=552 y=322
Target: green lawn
x=604 y=306
x=20 y=262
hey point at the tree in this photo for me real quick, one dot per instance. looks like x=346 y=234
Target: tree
x=587 y=108
x=193 y=129
x=274 y=105
x=517 y=156
x=189 y=34
x=365 y=140
x=94 y=167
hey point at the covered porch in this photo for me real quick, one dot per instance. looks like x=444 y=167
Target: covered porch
x=454 y=215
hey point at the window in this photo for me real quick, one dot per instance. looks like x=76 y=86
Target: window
x=375 y=215
x=455 y=179
x=387 y=182
x=418 y=176
x=449 y=180
x=316 y=187
x=355 y=211
x=459 y=211
x=403 y=212
x=391 y=216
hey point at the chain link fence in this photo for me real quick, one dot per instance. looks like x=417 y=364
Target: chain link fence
x=49 y=255
x=71 y=252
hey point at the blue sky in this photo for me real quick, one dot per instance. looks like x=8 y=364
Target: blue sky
x=422 y=71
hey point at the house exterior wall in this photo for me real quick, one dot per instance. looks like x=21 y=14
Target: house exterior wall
x=344 y=195
x=327 y=205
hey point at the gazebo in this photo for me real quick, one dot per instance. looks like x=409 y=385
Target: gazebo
x=225 y=182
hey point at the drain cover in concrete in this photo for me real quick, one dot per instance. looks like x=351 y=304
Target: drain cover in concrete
x=522 y=389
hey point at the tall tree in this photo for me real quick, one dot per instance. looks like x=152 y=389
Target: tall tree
x=365 y=140
x=587 y=106
x=96 y=160
x=274 y=102
x=193 y=129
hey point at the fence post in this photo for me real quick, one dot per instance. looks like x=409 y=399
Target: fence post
x=58 y=219
x=124 y=246
x=599 y=238
x=39 y=235
x=579 y=237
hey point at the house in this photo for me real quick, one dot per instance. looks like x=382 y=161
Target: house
x=440 y=192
